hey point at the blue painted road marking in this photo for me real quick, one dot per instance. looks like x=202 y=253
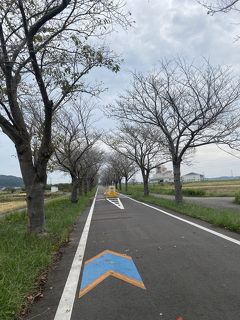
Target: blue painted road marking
x=109 y=263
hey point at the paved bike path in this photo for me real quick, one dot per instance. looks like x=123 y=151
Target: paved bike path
x=188 y=272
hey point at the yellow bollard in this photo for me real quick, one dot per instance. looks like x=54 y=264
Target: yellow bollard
x=111 y=192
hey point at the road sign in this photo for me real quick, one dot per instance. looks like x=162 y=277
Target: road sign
x=109 y=263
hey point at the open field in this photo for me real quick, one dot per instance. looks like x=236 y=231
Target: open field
x=14 y=201
x=11 y=206
x=22 y=273
x=206 y=188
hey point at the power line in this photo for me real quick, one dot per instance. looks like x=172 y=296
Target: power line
x=232 y=154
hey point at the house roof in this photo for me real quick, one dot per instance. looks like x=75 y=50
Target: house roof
x=192 y=174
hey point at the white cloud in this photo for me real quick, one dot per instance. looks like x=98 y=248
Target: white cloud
x=213 y=162
x=8 y=159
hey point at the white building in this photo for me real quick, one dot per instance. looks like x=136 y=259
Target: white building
x=192 y=177
x=162 y=174
x=54 y=189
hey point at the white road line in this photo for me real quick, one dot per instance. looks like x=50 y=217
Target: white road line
x=220 y=235
x=65 y=306
x=117 y=202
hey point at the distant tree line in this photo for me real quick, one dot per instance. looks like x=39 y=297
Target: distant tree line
x=168 y=113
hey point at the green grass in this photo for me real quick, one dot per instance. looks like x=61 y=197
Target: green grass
x=221 y=218
x=237 y=197
x=24 y=257
x=196 y=189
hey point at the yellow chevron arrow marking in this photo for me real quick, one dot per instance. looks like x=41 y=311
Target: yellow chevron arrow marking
x=108 y=274
x=108 y=251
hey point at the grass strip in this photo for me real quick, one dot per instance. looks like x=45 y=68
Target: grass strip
x=220 y=218
x=24 y=257
x=197 y=189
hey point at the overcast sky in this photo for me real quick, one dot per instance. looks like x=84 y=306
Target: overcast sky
x=163 y=28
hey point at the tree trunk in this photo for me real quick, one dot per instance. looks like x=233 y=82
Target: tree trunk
x=145 y=187
x=35 y=207
x=35 y=181
x=145 y=177
x=177 y=182
x=74 y=193
x=92 y=184
x=126 y=184
x=80 y=187
x=85 y=186
x=120 y=184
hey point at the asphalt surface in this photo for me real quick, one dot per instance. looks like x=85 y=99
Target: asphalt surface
x=210 y=202
x=188 y=273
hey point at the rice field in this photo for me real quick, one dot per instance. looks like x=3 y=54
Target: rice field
x=212 y=188
x=11 y=206
x=14 y=201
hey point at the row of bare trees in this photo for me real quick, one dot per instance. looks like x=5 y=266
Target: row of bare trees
x=76 y=150
x=46 y=52
x=168 y=113
x=117 y=167
x=139 y=146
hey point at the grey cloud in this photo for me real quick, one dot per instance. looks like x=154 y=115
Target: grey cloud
x=163 y=28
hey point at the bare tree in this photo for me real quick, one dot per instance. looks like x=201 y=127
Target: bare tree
x=89 y=167
x=107 y=175
x=220 y=6
x=45 y=53
x=115 y=163
x=191 y=106
x=140 y=145
x=73 y=139
x=122 y=167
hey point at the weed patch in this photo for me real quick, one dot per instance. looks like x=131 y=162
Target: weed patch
x=192 y=192
x=24 y=257
x=237 y=197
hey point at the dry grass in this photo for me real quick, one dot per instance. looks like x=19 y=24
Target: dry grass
x=14 y=201
x=213 y=183
x=11 y=206
x=217 y=188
